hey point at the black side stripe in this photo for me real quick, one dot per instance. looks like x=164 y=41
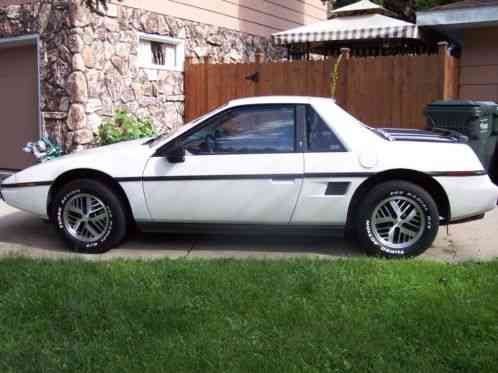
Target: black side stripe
x=26 y=185
x=243 y=177
x=338 y=174
x=458 y=173
x=321 y=175
x=128 y=179
x=253 y=177
x=221 y=177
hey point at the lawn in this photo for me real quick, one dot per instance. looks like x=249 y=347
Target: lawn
x=359 y=315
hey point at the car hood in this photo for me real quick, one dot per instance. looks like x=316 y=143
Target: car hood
x=126 y=159
x=113 y=149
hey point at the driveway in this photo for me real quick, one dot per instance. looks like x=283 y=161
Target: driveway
x=25 y=235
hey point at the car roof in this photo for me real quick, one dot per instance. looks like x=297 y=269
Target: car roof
x=277 y=100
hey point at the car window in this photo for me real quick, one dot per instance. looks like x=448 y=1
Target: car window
x=319 y=136
x=256 y=129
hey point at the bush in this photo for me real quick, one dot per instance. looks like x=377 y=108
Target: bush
x=124 y=127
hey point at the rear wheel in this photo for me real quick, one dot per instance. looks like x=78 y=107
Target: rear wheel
x=397 y=219
x=89 y=216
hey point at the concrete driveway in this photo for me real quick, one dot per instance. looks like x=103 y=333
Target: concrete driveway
x=25 y=235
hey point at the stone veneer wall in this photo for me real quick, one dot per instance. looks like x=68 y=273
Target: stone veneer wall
x=90 y=63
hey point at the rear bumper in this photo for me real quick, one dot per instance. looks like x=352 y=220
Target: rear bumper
x=469 y=196
x=467 y=220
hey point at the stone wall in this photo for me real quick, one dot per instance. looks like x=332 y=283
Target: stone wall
x=109 y=58
x=90 y=63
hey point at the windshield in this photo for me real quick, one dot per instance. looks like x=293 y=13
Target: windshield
x=165 y=137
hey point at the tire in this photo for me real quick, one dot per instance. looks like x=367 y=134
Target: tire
x=407 y=230
x=89 y=216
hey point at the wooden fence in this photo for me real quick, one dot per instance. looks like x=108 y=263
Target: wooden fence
x=385 y=91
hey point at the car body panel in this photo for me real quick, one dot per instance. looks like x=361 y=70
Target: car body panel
x=469 y=196
x=427 y=157
x=29 y=199
x=248 y=188
x=265 y=188
x=121 y=160
x=321 y=169
x=126 y=159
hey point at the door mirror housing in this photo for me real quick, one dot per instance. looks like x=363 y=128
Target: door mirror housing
x=176 y=154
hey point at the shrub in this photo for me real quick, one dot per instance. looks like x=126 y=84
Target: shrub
x=124 y=126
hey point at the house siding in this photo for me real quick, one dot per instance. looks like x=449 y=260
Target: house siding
x=479 y=65
x=256 y=17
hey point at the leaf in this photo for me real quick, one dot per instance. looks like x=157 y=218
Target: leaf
x=124 y=126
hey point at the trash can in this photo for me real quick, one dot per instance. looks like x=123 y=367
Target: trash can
x=493 y=168
x=478 y=120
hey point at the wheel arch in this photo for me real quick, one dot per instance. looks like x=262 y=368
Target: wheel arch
x=425 y=181
x=87 y=173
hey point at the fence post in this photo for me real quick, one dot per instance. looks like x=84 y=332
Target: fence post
x=206 y=59
x=260 y=56
x=342 y=67
x=187 y=87
x=189 y=60
x=260 y=59
x=209 y=59
x=449 y=72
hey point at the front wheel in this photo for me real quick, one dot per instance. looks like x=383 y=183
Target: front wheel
x=89 y=216
x=397 y=219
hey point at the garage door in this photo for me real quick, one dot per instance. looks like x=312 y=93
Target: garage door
x=18 y=105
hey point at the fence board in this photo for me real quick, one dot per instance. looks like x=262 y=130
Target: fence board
x=384 y=91
x=396 y=87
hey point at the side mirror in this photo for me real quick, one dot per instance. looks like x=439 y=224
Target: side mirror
x=176 y=154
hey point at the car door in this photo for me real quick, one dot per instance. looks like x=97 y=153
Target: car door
x=329 y=174
x=244 y=165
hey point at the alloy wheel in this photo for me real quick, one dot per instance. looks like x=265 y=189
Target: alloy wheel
x=398 y=222
x=86 y=217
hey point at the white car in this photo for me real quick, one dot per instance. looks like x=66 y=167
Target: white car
x=299 y=165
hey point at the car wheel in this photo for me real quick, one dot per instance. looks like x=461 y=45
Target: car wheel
x=397 y=219
x=89 y=216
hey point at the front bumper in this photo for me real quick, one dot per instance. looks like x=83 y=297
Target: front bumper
x=5 y=178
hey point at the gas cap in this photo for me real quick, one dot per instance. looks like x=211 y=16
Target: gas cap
x=368 y=159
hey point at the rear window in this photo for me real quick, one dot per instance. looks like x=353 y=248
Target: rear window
x=320 y=138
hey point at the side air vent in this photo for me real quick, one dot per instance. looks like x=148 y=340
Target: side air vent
x=337 y=189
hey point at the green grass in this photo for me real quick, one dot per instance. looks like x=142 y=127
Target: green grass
x=238 y=316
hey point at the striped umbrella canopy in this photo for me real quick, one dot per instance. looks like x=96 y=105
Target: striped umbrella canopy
x=354 y=23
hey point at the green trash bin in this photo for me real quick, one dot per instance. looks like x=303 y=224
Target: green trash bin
x=478 y=120
x=493 y=168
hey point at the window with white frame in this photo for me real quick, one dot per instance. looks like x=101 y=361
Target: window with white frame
x=161 y=52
